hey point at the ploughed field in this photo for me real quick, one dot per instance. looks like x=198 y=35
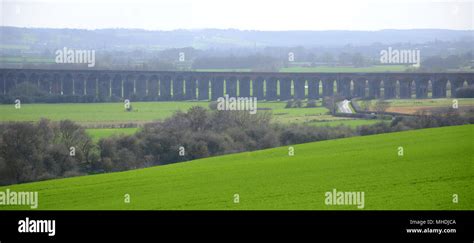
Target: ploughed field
x=412 y=106
x=436 y=164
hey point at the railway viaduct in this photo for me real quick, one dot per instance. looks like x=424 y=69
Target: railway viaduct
x=177 y=85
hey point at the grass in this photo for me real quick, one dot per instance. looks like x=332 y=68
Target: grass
x=437 y=163
x=110 y=114
x=295 y=115
x=346 y=122
x=142 y=112
x=98 y=133
x=95 y=112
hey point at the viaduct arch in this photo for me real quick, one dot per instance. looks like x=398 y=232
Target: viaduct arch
x=175 y=85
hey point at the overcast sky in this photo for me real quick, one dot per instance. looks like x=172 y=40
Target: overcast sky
x=239 y=14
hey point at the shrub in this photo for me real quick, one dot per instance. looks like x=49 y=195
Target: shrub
x=38 y=151
x=213 y=105
x=465 y=92
x=311 y=104
x=298 y=104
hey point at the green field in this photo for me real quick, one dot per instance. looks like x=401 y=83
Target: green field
x=437 y=163
x=149 y=111
x=100 y=118
x=346 y=122
x=142 y=112
x=95 y=112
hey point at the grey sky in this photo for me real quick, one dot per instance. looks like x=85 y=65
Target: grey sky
x=239 y=14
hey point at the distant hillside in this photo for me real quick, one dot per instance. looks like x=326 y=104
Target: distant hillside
x=213 y=38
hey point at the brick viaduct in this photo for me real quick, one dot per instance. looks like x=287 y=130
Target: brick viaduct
x=177 y=85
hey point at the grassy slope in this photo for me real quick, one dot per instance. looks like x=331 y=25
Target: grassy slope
x=437 y=163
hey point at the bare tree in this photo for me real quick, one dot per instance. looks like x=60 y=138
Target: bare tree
x=381 y=106
x=365 y=105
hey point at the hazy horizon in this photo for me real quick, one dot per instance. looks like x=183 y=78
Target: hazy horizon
x=224 y=29
x=277 y=15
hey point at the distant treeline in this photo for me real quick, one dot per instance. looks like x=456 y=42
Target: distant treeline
x=42 y=150
x=253 y=62
x=38 y=39
x=131 y=49
x=465 y=92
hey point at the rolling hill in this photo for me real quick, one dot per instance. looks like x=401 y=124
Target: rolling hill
x=436 y=164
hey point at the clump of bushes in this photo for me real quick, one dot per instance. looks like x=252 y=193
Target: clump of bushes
x=311 y=104
x=43 y=150
x=300 y=103
x=213 y=105
x=465 y=92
